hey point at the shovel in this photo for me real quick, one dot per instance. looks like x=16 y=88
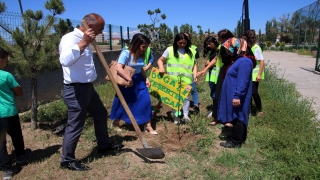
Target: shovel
x=152 y=153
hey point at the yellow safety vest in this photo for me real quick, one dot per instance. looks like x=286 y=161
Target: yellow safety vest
x=256 y=70
x=212 y=75
x=147 y=55
x=181 y=67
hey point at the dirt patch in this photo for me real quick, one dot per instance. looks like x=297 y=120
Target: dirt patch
x=44 y=163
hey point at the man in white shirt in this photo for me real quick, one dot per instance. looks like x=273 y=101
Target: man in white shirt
x=79 y=94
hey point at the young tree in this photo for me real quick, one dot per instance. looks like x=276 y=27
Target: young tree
x=151 y=30
x=35 y=47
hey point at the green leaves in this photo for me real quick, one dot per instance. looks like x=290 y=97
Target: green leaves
x=55 y=6
x=2 y=7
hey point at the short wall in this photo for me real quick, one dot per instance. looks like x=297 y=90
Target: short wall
x=50 y=84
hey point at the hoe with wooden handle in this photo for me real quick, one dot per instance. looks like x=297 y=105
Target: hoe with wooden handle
x=152 y=153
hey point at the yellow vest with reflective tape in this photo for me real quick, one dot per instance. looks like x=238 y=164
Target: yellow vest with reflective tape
x=181 y=67
x=256 y=70
x=212 y=75
x=146 y=57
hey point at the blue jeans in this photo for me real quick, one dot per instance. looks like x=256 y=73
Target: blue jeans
x=194 y=94
x=212 y=86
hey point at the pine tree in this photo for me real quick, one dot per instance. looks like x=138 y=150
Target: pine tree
x=35 y=47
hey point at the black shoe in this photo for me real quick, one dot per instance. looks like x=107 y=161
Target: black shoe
x=230 y=144
x=196 y=109
x=76 y=166
x=111 y=148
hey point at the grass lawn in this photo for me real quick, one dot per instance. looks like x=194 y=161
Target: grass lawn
x=282 y=144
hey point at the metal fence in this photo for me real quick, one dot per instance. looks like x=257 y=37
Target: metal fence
x=112 y=38
x=307 y=29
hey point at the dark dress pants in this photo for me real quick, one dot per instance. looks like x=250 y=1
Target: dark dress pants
x=82 y=99
x=239 y=132
x=12 y=126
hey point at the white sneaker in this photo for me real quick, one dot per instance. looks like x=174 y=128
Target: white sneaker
x=186 y=119
x=176 y=120
x=210 y=115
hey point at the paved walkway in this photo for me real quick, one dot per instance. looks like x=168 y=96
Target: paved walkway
x=298 y=69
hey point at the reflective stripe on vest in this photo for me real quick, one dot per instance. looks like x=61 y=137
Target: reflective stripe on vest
x=256 y=70
x=212 y=75
x=180 y=68
x=146 y=56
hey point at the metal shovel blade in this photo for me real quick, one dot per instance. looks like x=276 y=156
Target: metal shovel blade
x=152 y=153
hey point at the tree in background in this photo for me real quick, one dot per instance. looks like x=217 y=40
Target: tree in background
x=175 y=30
x=152 y=31
x=35 y=47
x=186 y=28
x=271 y=30
x=238 y=32
x=2 y=7
x=286 y=28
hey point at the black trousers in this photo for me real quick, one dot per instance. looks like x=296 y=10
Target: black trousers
x=239 y=132
x=256 y=96
x=13 y=128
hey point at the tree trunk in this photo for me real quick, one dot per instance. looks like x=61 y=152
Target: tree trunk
x=34 y=110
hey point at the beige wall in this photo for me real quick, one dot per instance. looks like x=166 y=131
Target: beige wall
x=50 y=84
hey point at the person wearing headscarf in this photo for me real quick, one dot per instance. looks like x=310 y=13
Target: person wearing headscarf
x=235 y=97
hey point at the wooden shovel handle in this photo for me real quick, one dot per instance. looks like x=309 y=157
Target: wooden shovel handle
x=115 y=86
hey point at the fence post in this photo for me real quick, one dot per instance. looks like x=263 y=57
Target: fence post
x=121 y=37
x=110 y=37
x=128 y=34
x=317 y=68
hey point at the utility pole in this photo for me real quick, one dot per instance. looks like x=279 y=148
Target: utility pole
x=246 y=15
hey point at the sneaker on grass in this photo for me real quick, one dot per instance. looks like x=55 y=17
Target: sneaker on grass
x=8 y=172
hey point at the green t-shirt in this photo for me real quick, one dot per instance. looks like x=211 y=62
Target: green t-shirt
x=7 y=103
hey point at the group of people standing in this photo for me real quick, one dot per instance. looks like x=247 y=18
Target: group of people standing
x=230 y=69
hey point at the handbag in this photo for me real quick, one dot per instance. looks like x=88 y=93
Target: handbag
x=127 y=69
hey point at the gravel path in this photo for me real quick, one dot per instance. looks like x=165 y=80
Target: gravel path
x=298 y=69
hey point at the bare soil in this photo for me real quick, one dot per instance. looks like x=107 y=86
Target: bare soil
x=123 y=164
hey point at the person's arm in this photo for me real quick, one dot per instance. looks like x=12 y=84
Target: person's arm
x=151 y=59
x=13 y=85
x=259 y=56
x=260 y=70
x=162 y=60
x=143 y=73
x=243 y=80
x=195 y=71
x=17 y=91
x=71 y=51
x=210 y=65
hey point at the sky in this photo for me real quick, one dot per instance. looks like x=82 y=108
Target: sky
x=209 y=14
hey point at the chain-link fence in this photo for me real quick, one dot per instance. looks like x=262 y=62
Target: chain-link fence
x=113 y=37
x=307 y=29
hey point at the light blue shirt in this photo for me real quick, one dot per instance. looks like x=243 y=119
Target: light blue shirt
x=125 y=56
x=151 y=57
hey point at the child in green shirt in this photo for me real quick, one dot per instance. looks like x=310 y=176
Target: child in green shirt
x=9 y=118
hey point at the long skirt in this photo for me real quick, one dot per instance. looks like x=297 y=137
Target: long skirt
x=138 y=99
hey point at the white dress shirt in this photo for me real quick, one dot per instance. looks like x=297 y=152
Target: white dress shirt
x=77 y=68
